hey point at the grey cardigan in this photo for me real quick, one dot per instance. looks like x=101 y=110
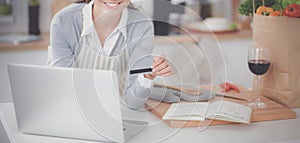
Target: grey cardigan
x=65 y=36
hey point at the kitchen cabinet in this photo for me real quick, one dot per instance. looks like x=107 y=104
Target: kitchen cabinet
x=234 y=47
x=26 y=53
x=234 y=50
x=36 y=57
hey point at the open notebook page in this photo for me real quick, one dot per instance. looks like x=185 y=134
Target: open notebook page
x=187 y=111
x=229 y=111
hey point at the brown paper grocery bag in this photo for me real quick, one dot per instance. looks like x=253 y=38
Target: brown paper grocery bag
x=282 y=35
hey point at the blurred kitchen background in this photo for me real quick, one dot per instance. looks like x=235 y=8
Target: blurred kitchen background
x=233 y=42
x=17 y=21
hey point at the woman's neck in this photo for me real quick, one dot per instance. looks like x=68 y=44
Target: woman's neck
x=109 y=19
x=105 y=22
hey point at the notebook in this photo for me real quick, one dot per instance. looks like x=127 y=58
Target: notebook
x=200 y=111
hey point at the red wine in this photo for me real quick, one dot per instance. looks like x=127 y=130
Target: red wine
x=258 y=67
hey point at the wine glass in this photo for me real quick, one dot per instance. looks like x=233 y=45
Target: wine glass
x=259 y=63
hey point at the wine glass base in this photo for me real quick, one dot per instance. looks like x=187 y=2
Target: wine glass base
x=258 y=105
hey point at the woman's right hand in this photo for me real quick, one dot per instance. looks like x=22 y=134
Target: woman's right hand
x=160 y=67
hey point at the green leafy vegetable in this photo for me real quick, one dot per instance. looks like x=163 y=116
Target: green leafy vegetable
x=232 y=26
x=5 y=9
x=34 y=2
x=277 y=5
x=246 y=8
x=286 y=3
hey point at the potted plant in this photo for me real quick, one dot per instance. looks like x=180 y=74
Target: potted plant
x=34 y=7
x=5 y=9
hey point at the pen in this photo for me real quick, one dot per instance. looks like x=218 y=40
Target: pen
x=136 y=71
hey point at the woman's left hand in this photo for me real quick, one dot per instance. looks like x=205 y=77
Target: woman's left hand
x=160 y=67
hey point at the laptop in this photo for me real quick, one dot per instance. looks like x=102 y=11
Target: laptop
x=69 y=102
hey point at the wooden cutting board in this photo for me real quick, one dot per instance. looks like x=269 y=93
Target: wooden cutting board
x=274 y=111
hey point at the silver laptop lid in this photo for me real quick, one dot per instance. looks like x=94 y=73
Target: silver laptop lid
x=67 y=102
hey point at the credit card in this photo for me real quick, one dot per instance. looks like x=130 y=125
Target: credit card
x=145 y=70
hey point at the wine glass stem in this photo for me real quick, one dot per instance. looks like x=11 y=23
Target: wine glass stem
x=258 y=90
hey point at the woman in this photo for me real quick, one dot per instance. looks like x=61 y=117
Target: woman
x=108 y=35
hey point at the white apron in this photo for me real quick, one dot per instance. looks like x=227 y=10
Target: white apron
x=89 y=58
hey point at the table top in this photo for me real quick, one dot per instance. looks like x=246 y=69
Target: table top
x=45 y=42
x=192 y=37
x=274 y=111
x=261 y=132
x=37 y=45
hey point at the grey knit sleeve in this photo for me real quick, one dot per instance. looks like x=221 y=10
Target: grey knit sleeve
x=140 y=57
x=62 y=55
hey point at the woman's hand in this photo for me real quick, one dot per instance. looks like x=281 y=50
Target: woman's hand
x=160 y=68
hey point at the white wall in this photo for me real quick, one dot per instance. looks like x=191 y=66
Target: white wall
x=222 y=8
x=20 y=11
x=148 y=6
x=236 y=52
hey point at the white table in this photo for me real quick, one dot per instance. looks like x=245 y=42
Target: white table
x=287 y=131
